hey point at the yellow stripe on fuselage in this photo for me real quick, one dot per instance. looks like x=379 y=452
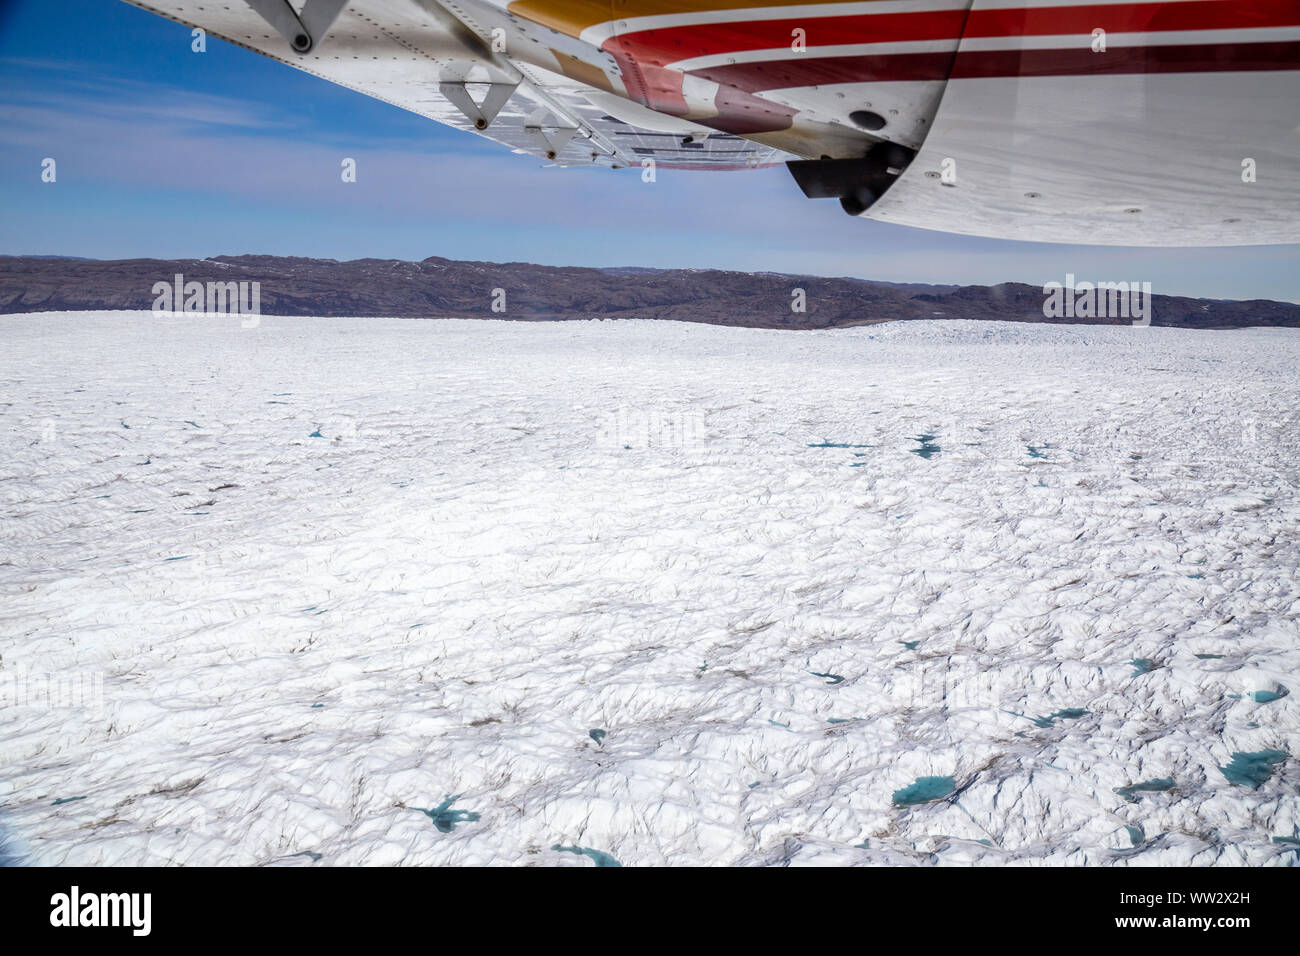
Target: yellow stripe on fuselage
x=571 y=17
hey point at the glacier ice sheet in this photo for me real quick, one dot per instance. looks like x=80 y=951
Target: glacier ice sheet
x=653 y=593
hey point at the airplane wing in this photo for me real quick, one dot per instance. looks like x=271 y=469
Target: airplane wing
x=1154 y=122
x=422 y=58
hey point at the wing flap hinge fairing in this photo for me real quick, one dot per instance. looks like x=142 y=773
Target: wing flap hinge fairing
x=305 y=29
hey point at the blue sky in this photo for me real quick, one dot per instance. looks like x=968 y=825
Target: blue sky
x=168 y=153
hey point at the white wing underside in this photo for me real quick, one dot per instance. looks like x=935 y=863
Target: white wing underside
x=401 y=51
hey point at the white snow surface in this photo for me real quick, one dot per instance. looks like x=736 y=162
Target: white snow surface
x=226 y=641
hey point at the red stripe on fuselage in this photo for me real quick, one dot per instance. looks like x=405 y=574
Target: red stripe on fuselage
x=1134 y=18
x=738 y=112
x=1081 y=61
x=671 y=44
x=660 y=47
